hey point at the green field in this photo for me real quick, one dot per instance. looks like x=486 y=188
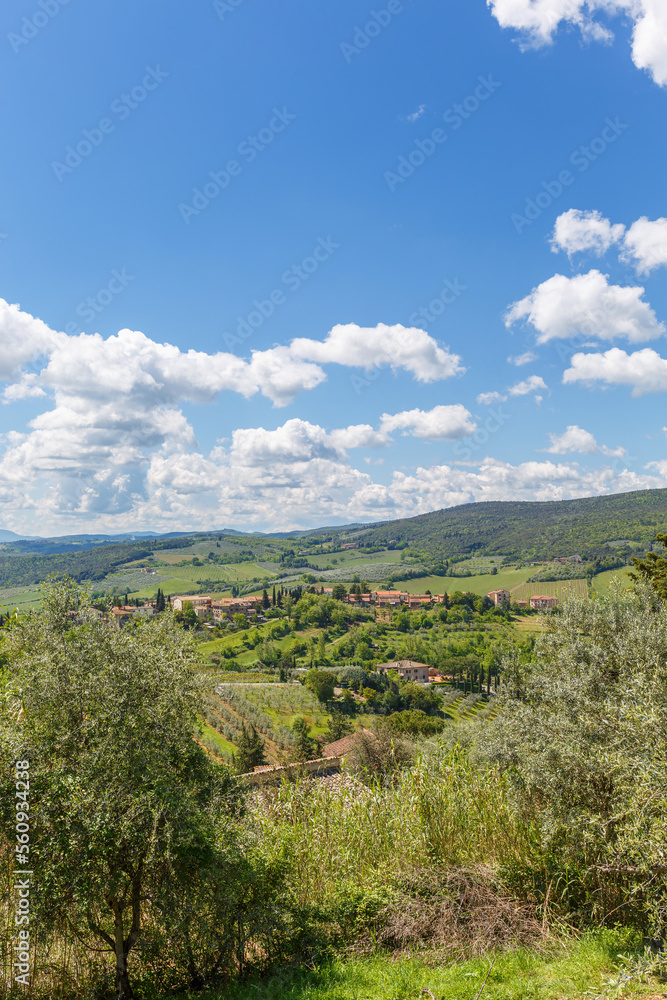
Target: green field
x=24 y=600
x=209 y=733
x=504 y=579
x=602 y=581
x=235 y=573
x=551 y=588
x=354 y=559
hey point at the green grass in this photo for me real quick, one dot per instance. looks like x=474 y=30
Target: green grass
x=567 y=970
x=209 y=733
x=602 y=581
x=484 y=583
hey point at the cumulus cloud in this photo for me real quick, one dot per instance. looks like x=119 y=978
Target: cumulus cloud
x=537 y=21
x=114 y=402
x=487 y=398
x=443 y=486
x=576 y=231
x=586 y=303
x=25 y=388
x=531 y=384
x=645 y=371
x=442 y=423
x=645 y=244
x=397 y=347
x=523 y=359
x=22 y=338
x=576 y=439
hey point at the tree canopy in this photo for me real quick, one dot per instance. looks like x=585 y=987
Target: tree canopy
x=129 y=811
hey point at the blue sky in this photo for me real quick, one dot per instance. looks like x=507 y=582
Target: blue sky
x=280 y=265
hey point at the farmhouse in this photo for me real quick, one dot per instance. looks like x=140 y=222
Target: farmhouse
x=196 y=600
x=228 y=606
x=498 y=596
x=348 y=743
x=389 y=598
x=540 y=602
x=408 y=670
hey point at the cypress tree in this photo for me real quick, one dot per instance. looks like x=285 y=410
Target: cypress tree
x=250 y=749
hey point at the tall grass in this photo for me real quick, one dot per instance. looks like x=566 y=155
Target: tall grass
x=442 y=812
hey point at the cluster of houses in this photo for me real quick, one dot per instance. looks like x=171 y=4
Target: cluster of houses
x=225 y=607
x=391 y=598
x=203 y=606
x=538 y=602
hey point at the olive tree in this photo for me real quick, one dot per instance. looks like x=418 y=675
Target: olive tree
x=125 y=805
x=582 y=734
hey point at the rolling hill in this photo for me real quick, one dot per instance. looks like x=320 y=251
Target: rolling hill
x=593 y=527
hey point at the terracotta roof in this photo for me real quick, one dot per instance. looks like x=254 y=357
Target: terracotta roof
x=340 y=747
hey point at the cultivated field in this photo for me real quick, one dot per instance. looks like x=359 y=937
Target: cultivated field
x=550 y=588
x=602 y=581
x=482 y=584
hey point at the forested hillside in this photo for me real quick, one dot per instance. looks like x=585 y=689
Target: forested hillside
x=593 y=527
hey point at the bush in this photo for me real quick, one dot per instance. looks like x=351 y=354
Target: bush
x=582 y=737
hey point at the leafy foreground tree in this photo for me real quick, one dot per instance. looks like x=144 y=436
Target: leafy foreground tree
x=133 y=826
x=582 y=734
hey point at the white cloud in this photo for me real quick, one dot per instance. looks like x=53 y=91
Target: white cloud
x=586 y=303
x=645 y=244
x=25 y=388
x=22 y=338
x=116 y=402
x=397 y=347
x=448 y=423
x=531 y=384
x=526 y=358
x=644 y=370
x=528 y=385
x=296 y=441
x=359 y=436
x=577 y=231
x=538 y=22
x=442 y=486
x=576 y=439
x=416 y=114
x=487 y=398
